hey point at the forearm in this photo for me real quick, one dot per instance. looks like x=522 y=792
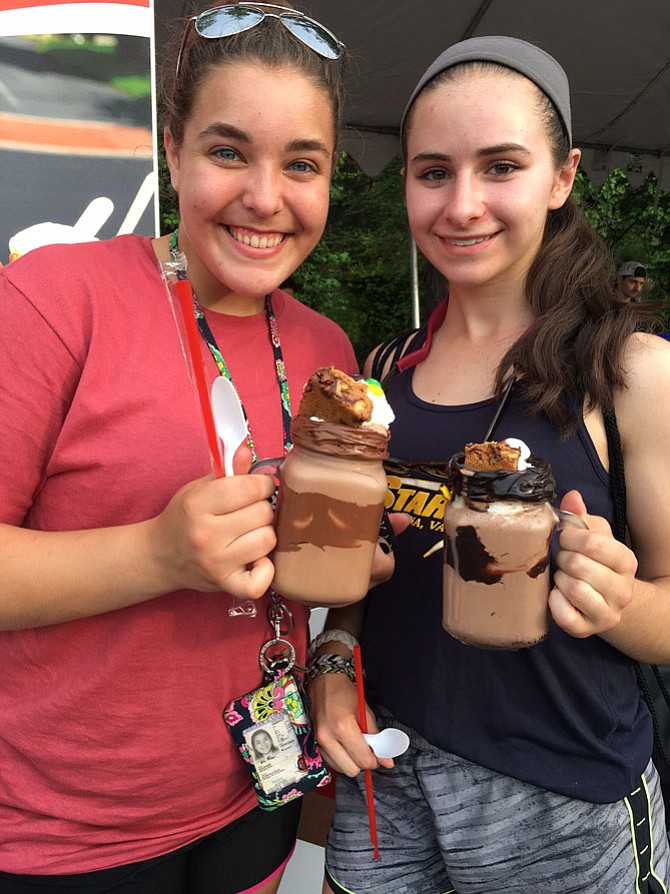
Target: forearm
x=641 y=633
x=348 y=618
x=50 y=577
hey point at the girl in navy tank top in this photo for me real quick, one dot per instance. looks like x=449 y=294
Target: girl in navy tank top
x=509 y=748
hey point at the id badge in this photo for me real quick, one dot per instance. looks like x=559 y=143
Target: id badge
x=275 y=739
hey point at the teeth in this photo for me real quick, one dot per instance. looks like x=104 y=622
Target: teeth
x=256 y=241
x=468 y=241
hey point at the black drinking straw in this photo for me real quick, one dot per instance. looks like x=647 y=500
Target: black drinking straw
x=501 y=409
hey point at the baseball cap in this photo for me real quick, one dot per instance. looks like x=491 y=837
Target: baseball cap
x=632 y=268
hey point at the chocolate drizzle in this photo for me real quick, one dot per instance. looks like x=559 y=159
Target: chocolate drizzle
x=468 y=557
x=534 y=485
x=361 y=442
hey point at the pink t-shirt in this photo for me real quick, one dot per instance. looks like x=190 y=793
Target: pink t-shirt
x=112 y=745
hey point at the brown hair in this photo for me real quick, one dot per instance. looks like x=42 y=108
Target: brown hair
x=574 y=350
x=268 y=43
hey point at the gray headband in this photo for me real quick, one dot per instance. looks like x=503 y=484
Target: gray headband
x=525 y=58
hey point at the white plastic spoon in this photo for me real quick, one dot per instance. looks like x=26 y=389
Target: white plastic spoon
x=231 y=426
x=388 y=743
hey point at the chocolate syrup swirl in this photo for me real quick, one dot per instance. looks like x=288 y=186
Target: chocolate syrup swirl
x=534 y=485
x=362 y=442
x=469 y=559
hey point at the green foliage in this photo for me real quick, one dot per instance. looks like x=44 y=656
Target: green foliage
x=46 y=43
x=359 y=275
x=167 y=197
x=635 y=224
x=135 y=86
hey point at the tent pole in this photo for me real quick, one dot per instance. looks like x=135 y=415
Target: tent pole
x=414 y=266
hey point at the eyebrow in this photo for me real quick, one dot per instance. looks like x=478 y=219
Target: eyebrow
x=501 y=149
x=230 y=132
x=219 y=129
x=308 y=146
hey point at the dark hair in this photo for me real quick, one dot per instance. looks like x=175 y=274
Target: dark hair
x=574 y=350
x=268 y=43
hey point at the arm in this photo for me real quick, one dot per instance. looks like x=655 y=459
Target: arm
x=213 y=535
x=334 y=704
x=597 y=587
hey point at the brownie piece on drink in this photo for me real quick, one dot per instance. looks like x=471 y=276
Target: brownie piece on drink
x=334 y=396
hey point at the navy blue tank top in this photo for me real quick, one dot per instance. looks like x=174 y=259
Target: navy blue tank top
x=566 y=714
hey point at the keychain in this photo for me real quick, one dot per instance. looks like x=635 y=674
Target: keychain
x=270 y=725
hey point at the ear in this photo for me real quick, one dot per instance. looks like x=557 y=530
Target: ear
x=564 y=180
x=172 y=158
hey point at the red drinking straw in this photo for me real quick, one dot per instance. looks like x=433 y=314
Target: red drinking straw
x=182 y=288
x=363 y=723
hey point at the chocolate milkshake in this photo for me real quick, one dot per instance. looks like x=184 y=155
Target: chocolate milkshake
x=332 y=487
x=497 y=530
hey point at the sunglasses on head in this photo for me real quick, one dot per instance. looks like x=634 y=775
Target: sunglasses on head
x=225 y=21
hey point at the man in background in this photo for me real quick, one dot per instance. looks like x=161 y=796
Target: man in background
x=630 y=279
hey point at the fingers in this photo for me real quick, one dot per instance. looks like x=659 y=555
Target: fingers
x=595 y=574
x=573 y=502
x=218 y=496
x=216 y=534
x=400 y=521
x=251 y=582
x=335 y=712
x=242 y=459
x=383 y=564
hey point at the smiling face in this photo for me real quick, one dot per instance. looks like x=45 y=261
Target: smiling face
x=480 y=178
x=252 y=174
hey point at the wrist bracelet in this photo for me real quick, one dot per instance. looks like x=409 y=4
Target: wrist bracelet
x=330 y=664
x=332 y=636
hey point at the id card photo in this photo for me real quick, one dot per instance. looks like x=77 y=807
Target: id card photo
x=275 y=752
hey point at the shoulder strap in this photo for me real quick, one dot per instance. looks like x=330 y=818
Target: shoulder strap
x=618 y=493
x=617 y=475
x=390 y=351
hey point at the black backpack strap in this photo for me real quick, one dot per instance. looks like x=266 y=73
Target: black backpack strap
x=618 y=494
x=390 y=351
x=617 y=475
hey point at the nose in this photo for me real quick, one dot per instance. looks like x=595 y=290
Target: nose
x=263 y=194
x=464 y=198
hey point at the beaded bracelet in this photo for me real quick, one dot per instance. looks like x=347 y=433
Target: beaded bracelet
x=330 y=664
x=332 y=635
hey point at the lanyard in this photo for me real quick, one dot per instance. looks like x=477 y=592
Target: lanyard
x=280 y=368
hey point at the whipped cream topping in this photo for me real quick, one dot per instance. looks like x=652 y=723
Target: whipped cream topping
x=516 y=443
x=382 y=414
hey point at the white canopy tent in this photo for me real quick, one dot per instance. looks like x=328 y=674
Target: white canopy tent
x=616 y=54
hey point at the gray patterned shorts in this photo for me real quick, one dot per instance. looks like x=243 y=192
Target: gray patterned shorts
x=447 y=826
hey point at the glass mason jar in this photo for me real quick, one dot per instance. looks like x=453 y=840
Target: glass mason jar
x=332 y=488
x=497 y=533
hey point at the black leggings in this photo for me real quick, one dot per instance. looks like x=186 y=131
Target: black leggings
x=238 y=857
